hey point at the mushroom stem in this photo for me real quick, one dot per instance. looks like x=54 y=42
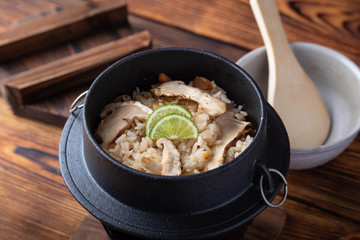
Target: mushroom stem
x=170 y=157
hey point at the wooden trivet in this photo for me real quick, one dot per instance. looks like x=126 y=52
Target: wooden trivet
x=266 y=226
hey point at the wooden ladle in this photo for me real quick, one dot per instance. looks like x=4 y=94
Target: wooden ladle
x=290 y=91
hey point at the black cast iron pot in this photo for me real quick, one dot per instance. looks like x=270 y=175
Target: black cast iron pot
x=166 y=207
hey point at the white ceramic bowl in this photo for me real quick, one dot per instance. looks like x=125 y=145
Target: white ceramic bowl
x=338 y=80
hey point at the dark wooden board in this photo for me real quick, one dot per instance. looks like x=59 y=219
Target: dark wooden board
x=24 y=29
x=70 y=71
x=187 y=28
x=54 y=109
x=266 y=226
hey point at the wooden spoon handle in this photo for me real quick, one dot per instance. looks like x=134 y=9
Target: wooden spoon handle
x=268 y=19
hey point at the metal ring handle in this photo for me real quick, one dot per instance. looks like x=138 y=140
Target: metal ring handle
x=74 y=105
x=285 y=189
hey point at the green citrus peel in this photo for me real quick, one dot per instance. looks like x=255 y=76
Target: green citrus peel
x=171 y=121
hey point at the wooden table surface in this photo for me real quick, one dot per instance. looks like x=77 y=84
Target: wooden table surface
x=323 y=203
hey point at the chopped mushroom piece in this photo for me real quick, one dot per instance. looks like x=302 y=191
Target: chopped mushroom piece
x=202 y=83
x=162 y=77
x=170 y=157
x=209 y=104
x=231 y=129
x=117 y=117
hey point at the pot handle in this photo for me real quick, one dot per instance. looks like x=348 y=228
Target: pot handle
x=75 y=105
x=267 y=174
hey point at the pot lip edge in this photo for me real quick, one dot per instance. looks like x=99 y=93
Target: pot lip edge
x=129 y=58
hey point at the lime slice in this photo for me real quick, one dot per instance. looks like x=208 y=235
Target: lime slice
x=174 y=126
x=162 y=111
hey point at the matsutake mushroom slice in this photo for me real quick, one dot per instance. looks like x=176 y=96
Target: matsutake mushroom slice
x=231 y=129
x=117 y=117
x=179 y=89
x=170 y=158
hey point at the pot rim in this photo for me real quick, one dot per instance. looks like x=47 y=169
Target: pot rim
x=259 y=130
x=143 y=222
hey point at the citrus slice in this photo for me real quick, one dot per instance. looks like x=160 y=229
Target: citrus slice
x=174 y=126
x=162 y=111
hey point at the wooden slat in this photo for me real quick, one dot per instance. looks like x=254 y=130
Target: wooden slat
x=64 y=25
x=70 y=71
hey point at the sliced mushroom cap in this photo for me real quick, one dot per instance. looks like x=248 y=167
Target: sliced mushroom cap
x=118 y=117
x=231 y=129
x=170 y=157
x=209 y=104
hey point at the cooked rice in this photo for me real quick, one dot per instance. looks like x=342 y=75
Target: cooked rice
x=134 y=149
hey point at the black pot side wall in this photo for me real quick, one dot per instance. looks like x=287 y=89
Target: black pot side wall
x=138 y=204
x=184 y=194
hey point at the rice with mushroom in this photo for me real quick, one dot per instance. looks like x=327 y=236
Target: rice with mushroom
x=136 y=150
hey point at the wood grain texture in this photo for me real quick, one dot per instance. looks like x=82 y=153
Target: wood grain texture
x=331 y=23
x=71 y=71
x=323 y=202
x=23 y=11
x=34 y=202
x=54 y=109
x=54 y=26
